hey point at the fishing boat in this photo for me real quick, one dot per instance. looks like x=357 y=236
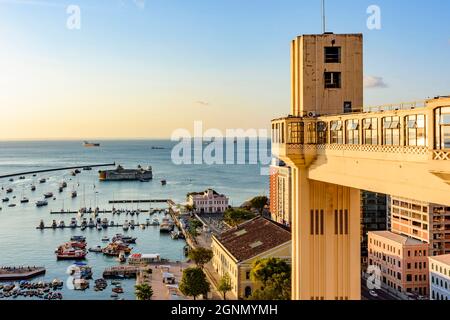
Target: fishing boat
x=78 y=238
x=48 y=195
x=73 y=223
x=122 y=238
x=104 y=223
x=91 y=223
x=90 y=144
x=115 y=248
x=41 y=203
x=71 y=254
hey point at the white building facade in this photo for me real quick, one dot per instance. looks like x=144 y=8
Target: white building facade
x=208 y=201
x=440 y=277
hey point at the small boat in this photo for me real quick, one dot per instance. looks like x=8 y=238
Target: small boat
x=104 y=223
x=111 y=224
x=9 y=190
x=63 y=184
x=97 y=249
x=105 y=239
x=80 y=284
x=24 y=200
x=142 y=226
x=163 y=182
x=73 y=223
x=11 y=180
x=122 y=258
x=126 y=225
x=83 y=227
x=22 y=177
x=174 y=235
x=41 y=225
x=71 y=254
x=91 y=223
x=87 y=168
x=6 y=199
x=48 y=195
x=77 y=171
x=43 y=180
x=78 y=238
x=117 y=290
x=12 y=205
x=132 y=224
x=73 y=173
x=61 y=224
x=73 y=194
x=155 y=222
x=99 y=227
x=41 y=203
x=125 y=239
x=54 y=225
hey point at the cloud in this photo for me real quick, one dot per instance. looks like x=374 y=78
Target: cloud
x=202 y=103
x=372 y=82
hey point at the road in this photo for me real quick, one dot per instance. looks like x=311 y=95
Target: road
x=382 y=294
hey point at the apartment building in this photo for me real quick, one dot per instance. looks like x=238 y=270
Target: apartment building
x=440 y=277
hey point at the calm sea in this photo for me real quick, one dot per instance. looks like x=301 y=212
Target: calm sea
x=22 y=244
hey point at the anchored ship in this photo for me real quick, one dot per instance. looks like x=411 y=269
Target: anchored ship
x=90 y=144
x=120 y=173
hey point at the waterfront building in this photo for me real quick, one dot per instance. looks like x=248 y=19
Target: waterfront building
x=424 y=221
x=208 y=201
x=335 y=150
x=280 y=193
x=403 y=262
x=373 y=218
x=235 y=251
x=440 y=277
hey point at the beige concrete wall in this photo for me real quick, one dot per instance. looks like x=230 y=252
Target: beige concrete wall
x=307 y=74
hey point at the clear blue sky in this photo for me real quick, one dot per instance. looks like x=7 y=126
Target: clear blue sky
x=222 y=61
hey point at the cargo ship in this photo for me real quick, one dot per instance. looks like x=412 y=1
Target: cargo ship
x=121 y=174
x=90 y=144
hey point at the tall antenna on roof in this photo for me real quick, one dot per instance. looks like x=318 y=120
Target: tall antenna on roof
x=324 y=21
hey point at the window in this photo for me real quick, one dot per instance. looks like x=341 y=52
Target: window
x=295 y=132
x=442 y=118
x=332 y=54
x=332 y=80
x=391 y=131
x=415 y=130
x=370 y=131
x=353 y=131
x=336 y=134
x=321 y=132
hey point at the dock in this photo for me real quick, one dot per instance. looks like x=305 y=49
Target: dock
x=56 y=169
x=140 y=201
x=20 y=273
x=101 y=211
x=120 y=272
x=109 y=226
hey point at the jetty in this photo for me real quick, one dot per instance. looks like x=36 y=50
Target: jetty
x=141 y=201
x=126 y=272
x=56 y=169
x=20 y=273
x=101 y=211
x=109 y=226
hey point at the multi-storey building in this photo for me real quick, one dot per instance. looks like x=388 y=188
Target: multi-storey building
x=403 y=262
x=440 y=277
x=235 y=251
x=208 y=201
x=423 y=221
x=335 y=150
x=280 y=193
x=373 y=218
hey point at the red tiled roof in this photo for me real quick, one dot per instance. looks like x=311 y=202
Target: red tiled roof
x=254 y=237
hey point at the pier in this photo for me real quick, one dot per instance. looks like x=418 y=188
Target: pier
x=20 y=273
x=136 y=225
x=140 y=201
x=101 y=211
x=56 y=169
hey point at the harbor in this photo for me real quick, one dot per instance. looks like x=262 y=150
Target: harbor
x=24 y=245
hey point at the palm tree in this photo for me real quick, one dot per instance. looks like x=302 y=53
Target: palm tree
x=143 y=291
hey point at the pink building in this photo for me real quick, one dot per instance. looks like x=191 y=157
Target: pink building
x=208 y=201
x=403 y=262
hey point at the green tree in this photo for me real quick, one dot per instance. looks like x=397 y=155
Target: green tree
x=200 y=256
x=258 y=203
x=274 y=275
x=194 y=282
x=235 y=216
x=224 y=285
x=143 y=291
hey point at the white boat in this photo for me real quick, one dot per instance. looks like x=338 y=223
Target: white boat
x=91 y=223
x=111 y=224
x=61 y=224
x=48 y=194
x=132 y=224
x=126 y=226
x=105 y=239
x=99 y=227
x=105 y=223
x=73 y=223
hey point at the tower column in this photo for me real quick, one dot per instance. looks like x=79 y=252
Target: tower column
x=326 y=240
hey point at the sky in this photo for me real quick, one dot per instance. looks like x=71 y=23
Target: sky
x=143 y=68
